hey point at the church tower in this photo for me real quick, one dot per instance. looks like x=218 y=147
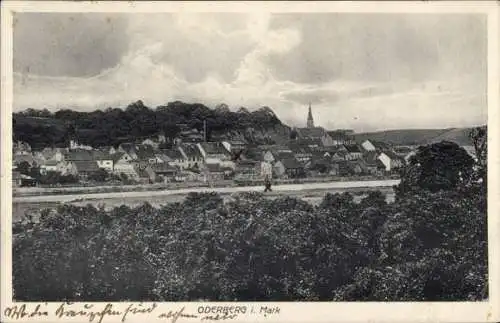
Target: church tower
x=310 y=121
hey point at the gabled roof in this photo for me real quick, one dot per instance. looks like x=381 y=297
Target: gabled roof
x=352 y=148
x=191 y=150
x=144 y=151
x=86 y=166
x=301 y=149
x=173 y=153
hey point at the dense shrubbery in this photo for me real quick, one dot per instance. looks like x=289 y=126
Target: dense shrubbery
x=428 y=245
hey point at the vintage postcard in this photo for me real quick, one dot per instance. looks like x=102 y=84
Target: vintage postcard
x=250 y=161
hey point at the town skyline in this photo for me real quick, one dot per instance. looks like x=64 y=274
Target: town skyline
x=431 y=73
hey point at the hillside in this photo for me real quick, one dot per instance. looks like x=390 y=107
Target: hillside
x=418 y=136
x=114 y=126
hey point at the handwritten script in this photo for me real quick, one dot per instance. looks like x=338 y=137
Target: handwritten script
x=97 y=313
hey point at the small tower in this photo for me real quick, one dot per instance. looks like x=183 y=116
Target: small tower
x=310 y=121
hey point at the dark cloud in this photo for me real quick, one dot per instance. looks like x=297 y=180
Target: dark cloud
x=379 y=47
x=68 y=44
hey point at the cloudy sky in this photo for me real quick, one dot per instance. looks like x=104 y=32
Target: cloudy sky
x=360 y=71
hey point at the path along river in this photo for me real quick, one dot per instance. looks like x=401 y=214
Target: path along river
x=148 y=194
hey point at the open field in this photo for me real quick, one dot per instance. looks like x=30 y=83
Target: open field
x=313 y=193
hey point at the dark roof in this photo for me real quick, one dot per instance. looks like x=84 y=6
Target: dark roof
x=144 y=151
x=352 y=148
x=291 y=163
x=300 y=149
x=116 y=156
x=380 y=145
x=191 y=151
x=86 y=166
x=316 y=132
x=128 y=147
x=173 y=153
x=78 y=155
x=370 y=158
x=101 y=155
x=283 y=155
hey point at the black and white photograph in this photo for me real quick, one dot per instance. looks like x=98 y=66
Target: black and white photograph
x=249 y=156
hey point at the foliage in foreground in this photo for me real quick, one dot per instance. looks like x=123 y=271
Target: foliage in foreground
x=429 y=245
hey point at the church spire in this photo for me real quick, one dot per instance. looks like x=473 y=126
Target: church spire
x=310 y=121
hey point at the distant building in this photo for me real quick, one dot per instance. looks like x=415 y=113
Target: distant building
x=176 y=158
x=353 y=152
x=192 y=155
x=73 y=144
x=216 y=153
x=85 y=168
x=341 y=137
x=390 y=160
x=310 y=121
x=289 y=168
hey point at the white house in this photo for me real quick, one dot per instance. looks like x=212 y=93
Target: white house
x=216 y=153
x=368 y=145
x=49 y=166
x=391 y=161
x=104 y=161
x=266 y=169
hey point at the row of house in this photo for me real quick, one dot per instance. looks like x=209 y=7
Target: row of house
x=307 y=155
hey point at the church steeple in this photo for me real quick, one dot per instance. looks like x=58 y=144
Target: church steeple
x=310 y=121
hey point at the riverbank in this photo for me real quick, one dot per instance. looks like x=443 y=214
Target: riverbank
x=234 y=189
x=43 y=191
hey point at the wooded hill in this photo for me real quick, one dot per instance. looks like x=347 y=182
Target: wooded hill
x=113 y=126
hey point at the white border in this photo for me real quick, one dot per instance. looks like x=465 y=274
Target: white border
x=289 y=312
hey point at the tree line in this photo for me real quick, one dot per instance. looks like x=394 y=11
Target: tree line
x=42 y=128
